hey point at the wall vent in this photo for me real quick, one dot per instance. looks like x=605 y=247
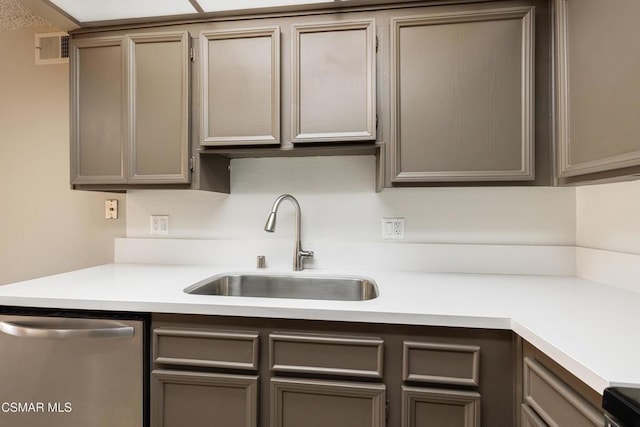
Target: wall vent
x=52 y=48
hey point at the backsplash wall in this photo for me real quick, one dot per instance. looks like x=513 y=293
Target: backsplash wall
x=339 y=203
x=608 y=217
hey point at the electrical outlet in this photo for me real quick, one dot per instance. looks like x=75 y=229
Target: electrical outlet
x=393 y=228
x=159 y=224
x=111 y=209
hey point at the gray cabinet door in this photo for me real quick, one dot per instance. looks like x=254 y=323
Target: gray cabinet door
x=316 y=403
x=98 y=105
x=159 y=108
x=240 y=87
x=198 y=399
x=597 y=85
x=462 y=96
x=130 y=109
x=530 y=418
x=425 y=407
x=333 y=82
x=554 y=401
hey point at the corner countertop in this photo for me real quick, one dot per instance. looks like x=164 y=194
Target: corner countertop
x=588 y=328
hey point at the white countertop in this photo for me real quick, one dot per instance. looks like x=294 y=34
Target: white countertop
x=590 y=329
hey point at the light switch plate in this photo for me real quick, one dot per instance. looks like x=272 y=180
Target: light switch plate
x=393 y=228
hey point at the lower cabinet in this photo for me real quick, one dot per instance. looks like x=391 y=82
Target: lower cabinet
x=204 y=399
x=225 y=372
x=317 y=403
x=423 y=407
x=530 y=418
x=310 y=399
x=553 y=397
x=446 y=366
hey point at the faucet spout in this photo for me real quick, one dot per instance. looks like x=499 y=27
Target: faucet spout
x=299 y=255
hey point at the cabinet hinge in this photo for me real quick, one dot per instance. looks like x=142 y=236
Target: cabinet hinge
x=376 y=43
x=386 y=411
x=192 y=55
x=192 y=164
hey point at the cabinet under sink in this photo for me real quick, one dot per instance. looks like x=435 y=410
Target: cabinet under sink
x=248 y=372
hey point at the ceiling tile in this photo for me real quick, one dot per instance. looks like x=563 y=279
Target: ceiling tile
x=105 y=10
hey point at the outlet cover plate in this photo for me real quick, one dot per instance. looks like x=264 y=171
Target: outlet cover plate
x=393 y=228
x=159 y=224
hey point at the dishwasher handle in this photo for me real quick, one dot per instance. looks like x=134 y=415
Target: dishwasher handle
x=66 y=328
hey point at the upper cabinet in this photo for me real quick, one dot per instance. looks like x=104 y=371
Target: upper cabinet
x=240 y=77
x=159 y=108
x=441 y=93
x=598 y=82
x=98 y=104
x=130 y=103
x=333 y=82
x=462 y=99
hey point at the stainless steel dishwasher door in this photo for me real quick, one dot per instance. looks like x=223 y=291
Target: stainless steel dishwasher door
x=71 y=372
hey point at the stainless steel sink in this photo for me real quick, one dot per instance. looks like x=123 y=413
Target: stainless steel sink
x=284 y=286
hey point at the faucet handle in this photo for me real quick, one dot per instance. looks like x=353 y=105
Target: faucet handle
x=306 y=254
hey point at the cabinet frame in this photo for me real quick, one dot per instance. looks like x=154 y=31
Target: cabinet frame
x=527 y=170
x=369 y=132
x=274 y=136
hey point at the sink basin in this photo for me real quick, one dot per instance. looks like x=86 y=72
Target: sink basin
x=284 y=286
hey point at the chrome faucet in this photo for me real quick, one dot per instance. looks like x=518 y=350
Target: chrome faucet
x=298 y=254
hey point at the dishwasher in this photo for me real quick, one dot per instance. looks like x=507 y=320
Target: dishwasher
x=621 y=406
x=72 y=369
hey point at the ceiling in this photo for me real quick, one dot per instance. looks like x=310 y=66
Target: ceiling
x=14 y=16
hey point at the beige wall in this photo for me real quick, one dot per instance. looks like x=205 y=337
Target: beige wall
x=45 y=227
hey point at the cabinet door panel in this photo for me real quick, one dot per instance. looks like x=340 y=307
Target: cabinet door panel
x=598 y=100
x=424 y=407
x=441 y=363
x=98 y=104
x=209 y=348
x=241 y=87
x=555 y=402
x=159 y=122
x=197 y=399
x=530 y=418
x=313 y=403
x=333 y=82
x=326 y=355
x=462 y=104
